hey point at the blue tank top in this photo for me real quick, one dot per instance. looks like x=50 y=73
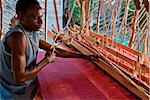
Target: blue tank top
x=6 y=74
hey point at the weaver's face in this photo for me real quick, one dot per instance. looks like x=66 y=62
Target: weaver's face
x=32 y=18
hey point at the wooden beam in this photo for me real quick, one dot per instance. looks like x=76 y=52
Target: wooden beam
x=56 y=15
x=86 y=10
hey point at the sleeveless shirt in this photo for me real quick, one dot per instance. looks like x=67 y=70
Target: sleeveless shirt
x=7 y=79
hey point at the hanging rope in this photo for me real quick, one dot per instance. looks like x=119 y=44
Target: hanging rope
x=53 y=48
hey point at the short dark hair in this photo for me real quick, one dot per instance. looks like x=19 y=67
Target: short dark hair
x=22 y=5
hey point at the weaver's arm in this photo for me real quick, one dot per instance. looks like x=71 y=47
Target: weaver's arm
x=63 y=53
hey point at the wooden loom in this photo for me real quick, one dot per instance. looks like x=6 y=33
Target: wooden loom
x=125 y=63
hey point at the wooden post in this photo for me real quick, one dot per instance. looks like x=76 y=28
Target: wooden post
x=133 y=27
x=45 y=20
x=98 y=17
x=56 y=15
x=70 y=13
x=125 y=20
x=86 y=10
x=114 y=22
x=87 y=15
x=1 y=16
x=91 y=17
x=81 y=15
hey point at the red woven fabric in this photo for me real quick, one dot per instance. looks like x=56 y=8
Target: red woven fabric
x=78 y=79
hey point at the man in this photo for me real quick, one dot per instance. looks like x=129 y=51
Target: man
x=18 y=52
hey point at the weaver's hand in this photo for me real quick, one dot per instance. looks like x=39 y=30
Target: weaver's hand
x=59 y=38
x=50 y=56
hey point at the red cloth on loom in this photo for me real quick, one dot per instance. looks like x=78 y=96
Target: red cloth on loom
x=78 y=79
